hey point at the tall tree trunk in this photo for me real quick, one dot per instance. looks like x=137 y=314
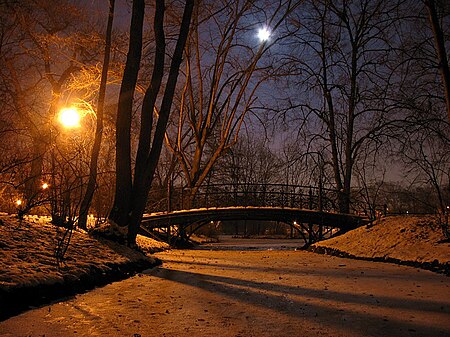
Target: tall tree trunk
x=331 y=124
x=151 y=93
x=349 y=152
x=142 y=187
x=86 y=203
x=123 y=193
x=439 y=43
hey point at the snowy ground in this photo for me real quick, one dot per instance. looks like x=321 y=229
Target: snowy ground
x=28 y=263
x=415 y=239
x=235 y=293
x=252 y=293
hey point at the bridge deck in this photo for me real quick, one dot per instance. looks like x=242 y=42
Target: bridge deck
x=282 y=214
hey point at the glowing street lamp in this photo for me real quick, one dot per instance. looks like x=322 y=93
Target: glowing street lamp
x=263 y=34
x=69 y=118
x=44 y=186
x=18 y=202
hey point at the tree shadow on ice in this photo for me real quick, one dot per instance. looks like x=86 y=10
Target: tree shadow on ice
x=336 y=271
x=354 y=320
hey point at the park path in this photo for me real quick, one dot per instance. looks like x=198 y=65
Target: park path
x=252 y=293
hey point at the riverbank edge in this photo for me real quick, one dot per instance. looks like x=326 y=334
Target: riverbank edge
x=434 y=266
x=16 y=300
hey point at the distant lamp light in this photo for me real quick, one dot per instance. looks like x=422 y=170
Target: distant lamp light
x=18 y=202
x=44 y=186
x=69 y=118
x=263 y=34
x=295 y=223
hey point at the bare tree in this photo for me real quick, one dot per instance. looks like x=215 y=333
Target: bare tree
x=370 y=176
x=131 y=195
x=250 y=161
x=429 y=158
x=223 y=73
x=40 y=53
x=439 y=41
x=424 y=138
x=340 y=58
x=93 y=167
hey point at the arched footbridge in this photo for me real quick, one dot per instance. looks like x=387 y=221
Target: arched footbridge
x=304 y=208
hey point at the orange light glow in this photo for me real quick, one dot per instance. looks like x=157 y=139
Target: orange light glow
x=69 y=118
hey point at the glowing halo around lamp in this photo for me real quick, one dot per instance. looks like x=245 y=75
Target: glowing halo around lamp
x=263 y=34
x=69 y=118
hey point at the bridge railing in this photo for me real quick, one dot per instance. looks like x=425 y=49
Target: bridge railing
x=229 y=195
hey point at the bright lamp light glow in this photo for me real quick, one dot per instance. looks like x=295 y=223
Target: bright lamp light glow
x=44 y=186
x=18 y=202
x=69 y=117
x=263 y=34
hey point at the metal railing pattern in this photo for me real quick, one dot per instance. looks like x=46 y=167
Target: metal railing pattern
x=243 y=195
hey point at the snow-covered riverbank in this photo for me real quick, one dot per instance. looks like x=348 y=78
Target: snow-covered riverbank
x=30 y=275
x=410 y=240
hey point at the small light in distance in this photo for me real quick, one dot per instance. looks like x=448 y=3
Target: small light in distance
x=69 y=117
x=44 y=186
x=18 y=202
x=263 y=34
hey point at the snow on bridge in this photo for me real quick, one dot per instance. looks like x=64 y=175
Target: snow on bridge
x=290 y=216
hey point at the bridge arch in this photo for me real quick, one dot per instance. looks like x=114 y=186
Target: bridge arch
x=183 y=219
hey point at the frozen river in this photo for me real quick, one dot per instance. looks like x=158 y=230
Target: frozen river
x=228 y=242
x=249 y=292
